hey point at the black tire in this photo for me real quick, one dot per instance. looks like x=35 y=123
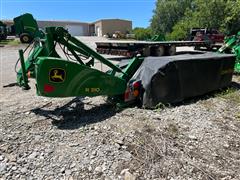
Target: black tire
x=5 y=37
x=197 y=48
x=157 y=51
x=25 y=38
x=170 y=51
x=209 y=48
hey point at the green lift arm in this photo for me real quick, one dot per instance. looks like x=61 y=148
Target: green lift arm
x=58 y=77
x=232 y=44
x=158 y=37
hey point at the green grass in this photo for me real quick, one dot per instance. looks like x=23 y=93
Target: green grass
x=231 y=95
x=237 y=115
x=12 y=42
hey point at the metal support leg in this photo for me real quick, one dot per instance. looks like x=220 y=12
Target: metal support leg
x=24 y=74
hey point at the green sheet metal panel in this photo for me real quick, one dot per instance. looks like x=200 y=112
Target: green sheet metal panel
x=60 y=78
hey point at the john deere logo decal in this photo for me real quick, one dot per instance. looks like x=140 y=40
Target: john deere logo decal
x=57 y=75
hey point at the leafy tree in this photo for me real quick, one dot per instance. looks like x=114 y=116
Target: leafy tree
x=180 y=31
x=142 y=33
x=231 y=23
x=182 y=28
x=176 y=17
x=167 y=14
x=209 y=13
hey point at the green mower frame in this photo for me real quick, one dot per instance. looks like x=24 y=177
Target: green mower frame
x=57 y=77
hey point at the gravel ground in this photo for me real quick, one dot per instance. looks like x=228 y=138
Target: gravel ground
x=86 y=138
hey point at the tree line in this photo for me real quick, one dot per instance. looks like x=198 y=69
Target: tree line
x=175 y=18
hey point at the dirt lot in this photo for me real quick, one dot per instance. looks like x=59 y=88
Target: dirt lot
x=86 y=138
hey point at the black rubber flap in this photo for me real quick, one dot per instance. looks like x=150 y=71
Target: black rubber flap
x=171 y=79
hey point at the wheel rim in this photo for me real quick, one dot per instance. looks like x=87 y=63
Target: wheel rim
x=25 y=39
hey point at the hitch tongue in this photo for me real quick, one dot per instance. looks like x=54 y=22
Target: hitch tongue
x=24 y=74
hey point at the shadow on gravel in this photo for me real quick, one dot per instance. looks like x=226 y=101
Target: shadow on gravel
x=235 y=85
x=73 y=115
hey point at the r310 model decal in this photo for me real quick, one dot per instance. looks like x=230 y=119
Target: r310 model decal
x=92 y=90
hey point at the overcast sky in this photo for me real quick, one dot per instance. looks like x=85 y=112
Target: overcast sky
x=139 y=11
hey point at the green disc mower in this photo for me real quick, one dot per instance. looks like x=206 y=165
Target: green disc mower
x=147 y=81
x=75 y=75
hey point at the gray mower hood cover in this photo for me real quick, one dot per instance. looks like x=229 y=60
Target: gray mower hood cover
x=171 y=79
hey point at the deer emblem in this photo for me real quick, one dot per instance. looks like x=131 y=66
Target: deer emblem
x=56 y=76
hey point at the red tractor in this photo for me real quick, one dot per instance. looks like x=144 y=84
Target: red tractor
x=205 y=34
